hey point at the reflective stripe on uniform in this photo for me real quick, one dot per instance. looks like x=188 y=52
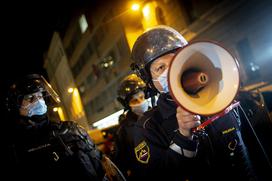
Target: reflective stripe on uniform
x=181 y=151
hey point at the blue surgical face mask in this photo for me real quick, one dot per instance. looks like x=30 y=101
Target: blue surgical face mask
x=162 y=79
x=139 y=109
x=37 y=108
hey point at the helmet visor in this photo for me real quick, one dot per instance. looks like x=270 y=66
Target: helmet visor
x=32 y=84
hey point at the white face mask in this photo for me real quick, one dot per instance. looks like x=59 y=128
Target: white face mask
x=162 y=79
x=139 y=109
x=37 y=108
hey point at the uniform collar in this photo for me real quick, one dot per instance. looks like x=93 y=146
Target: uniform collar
x=167 y=106
x=32 y=124
x=131 y=117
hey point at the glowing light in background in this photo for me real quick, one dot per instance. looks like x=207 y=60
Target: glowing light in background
x=60 y=113
x=83 y=23
x=108 y=121
x=70 y=90
x=135 y=7
x=149 y=15
x=77 y=107
x=146 y=11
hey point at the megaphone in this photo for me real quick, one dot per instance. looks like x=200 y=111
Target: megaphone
x=203 y=78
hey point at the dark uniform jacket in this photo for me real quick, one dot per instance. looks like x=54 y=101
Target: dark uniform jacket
x=124 y=143
x=55 y=151
x=256 y=128
x=223 y=147
x=162 y=153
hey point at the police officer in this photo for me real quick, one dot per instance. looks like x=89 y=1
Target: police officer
x=165 y=144
x=41 y=148
x=131 y=94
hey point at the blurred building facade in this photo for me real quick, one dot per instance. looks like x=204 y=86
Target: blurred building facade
x=61 y=79
x=243 y=28
x=98 y=41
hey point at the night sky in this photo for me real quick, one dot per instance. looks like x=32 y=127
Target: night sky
x=27 y=29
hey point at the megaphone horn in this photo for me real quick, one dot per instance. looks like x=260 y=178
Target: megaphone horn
x=203 y=78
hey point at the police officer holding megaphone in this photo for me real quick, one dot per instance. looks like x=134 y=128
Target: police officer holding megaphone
x=194 y=81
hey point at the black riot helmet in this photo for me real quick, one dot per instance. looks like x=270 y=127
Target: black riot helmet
x=152 y=44
x=28 y=85
x=129 y=86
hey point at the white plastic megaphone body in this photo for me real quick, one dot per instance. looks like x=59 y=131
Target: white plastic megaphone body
x=203 y=78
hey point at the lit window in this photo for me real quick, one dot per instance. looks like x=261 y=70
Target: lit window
x=83 y=23
x=107 y=62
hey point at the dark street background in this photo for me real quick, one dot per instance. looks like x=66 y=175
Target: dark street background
x=27 y=28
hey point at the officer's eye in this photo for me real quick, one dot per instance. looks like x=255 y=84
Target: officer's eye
x=29 y=98
x=39 y=96
x=32 y=98
x=161 y=68
x=141 y=97
x=133 y=101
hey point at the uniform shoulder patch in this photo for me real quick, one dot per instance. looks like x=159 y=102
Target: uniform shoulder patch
x=142 y=152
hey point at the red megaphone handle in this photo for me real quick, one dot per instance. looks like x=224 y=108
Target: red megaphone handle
x=215 y=117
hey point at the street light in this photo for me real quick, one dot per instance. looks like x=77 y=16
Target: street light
x=60 y=113
x=70 y=90
x=135 y=7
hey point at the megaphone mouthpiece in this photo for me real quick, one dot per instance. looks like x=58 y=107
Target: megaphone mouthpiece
x=193 y=81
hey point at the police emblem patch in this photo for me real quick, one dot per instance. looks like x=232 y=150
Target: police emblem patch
x=142 y=152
